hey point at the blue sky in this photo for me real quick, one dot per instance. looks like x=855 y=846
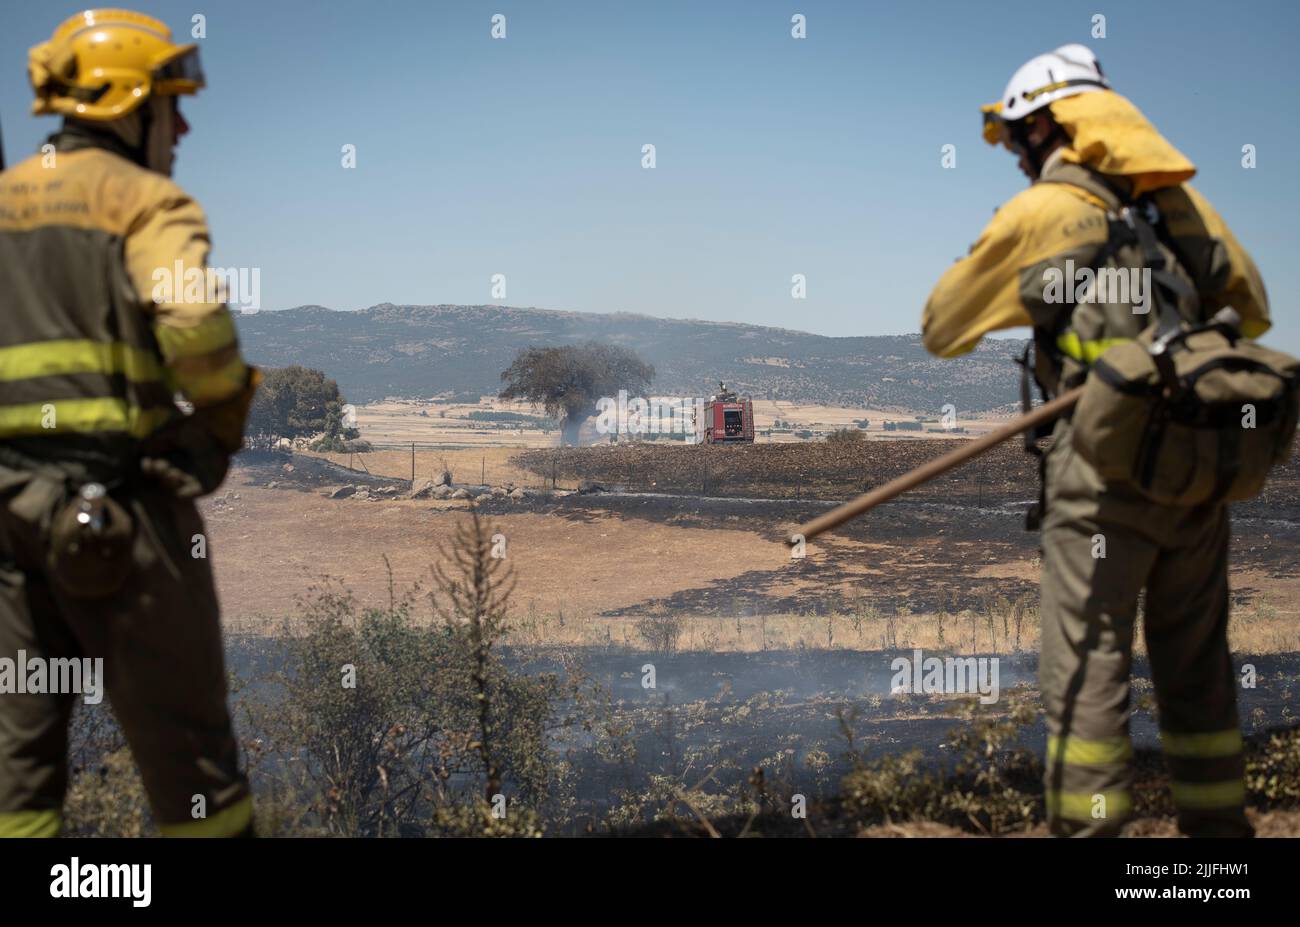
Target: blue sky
x=821 y=156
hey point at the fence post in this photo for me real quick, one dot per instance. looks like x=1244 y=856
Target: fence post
x=412 y=466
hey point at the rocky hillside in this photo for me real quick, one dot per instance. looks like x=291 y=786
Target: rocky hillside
x=423 y=351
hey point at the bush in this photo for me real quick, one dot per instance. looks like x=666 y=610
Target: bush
x=1273 y=769
x=660 y=632
x=107 y=799
x=993 y=788
x=400 y=728
x=294 y=402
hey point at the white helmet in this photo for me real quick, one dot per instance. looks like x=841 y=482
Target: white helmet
x=1065 y=72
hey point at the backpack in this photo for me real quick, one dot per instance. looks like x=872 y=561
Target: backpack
x=1188 y=413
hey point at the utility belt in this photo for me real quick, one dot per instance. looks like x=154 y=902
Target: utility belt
x=66 y=520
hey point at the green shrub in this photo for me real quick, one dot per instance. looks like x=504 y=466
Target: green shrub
x=395 y=726
x=991 y=788
x=1273 y=769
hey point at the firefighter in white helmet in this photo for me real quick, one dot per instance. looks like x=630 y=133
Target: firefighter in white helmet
x=1066 y=72
x=1089 y=153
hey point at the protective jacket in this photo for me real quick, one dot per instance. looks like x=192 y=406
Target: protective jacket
x=1054 y=231
x=109 y=310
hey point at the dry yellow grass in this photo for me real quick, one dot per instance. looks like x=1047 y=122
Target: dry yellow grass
x=822 y=418
x=271 y=545
x=430 y=422
x=721 y=634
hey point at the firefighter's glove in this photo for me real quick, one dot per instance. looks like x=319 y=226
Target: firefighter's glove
x=185 y=459
x=173 y=478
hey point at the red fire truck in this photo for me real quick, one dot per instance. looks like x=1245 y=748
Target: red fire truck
x=728 y=419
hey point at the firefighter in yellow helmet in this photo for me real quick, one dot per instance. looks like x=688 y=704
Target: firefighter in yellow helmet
x=123 y=396
x=1088 y=153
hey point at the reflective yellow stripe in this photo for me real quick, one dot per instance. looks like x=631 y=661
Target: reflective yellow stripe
x=212 y=334
x=1227 y=794
x=229 y=822
x=1079 y=752
x=219 y=384
x=1086 y=351
x=1215 y=743
x=51 y=358
x=1078 y=806
x=81 y=416
x=46 y=823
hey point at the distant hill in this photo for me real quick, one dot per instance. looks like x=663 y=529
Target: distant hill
x=422 y=351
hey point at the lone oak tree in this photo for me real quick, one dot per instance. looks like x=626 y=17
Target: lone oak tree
x=567 y=381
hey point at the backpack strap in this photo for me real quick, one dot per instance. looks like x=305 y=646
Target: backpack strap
x=1138 y=222
x=1099 y=192
x=1104 y=193
x=1144 y=219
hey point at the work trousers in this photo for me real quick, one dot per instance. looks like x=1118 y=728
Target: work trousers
x=160 y=641
x=1102 y=547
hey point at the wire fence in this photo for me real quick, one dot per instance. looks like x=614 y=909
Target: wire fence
x=425 y=462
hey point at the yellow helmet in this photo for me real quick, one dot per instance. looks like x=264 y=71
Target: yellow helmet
x=102 y=64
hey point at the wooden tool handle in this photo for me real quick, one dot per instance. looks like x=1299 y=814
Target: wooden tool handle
x=929 y=470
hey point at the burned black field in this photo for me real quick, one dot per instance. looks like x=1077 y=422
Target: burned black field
x=716 y=707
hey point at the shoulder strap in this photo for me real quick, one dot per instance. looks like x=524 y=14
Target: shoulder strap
x=1134 y=222
x=1101 y=194
x=1085 y=178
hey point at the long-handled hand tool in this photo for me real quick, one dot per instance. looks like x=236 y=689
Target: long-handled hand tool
x=928 y=471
